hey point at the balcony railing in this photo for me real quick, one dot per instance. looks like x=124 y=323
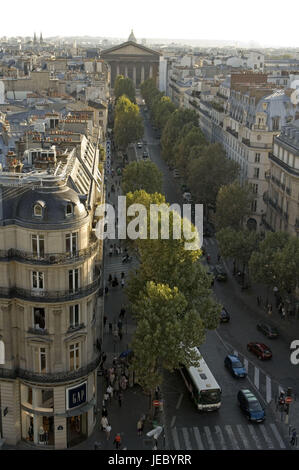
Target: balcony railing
x=38 y=331
x=50 y=377
x=288 y=191
x=49 y=296
x=232 y=132
x=49 y=258
x=256 y=144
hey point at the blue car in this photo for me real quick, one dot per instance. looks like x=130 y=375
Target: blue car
x=235 y=366
x=250 y=406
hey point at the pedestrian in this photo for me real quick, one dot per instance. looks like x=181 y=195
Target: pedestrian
x=122 y=283
x=104 y=423
x=116 y=386
x=108 y=431
x=105 y=399
x=119 y=324
x=114 y=362
x=122 y=275
x=110 y=279
x=110 y=392
x=123 y=382
x=122 y=312
x=115 y=335
x=104 y=357
x=120 y=398
x=258 y=300
x=104 y=320
x=294 y=437
x=104 y=411
x=120 y=334
x=110 y=250
x=110 y=327
x=117 y=441
x=106 y=290
x=269 y=309
x=218 y=257
x=283 y=313
x=112 y=378
x=140 y=426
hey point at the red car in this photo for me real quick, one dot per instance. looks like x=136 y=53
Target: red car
x=260 y=350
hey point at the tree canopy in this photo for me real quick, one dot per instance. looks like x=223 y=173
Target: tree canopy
x=128 y=124
x=124 y=86
x=142 y=175
x=233 y=203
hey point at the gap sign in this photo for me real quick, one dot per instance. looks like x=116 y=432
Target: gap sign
x=75 y=396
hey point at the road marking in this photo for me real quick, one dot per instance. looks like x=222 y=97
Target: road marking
x=236 y=353
x=209 y=438
x=254 y=436
x=198 y=439
x=277 y=435
x=266 y=436
x=187 y=439
x=213 y=241
x=179 y=401
x=175 y=438
x=231 y=435
x=243 y=436
x=268 y=389
x=173 y=421
x=221 y=438
x=256 y=377
x=246 y=364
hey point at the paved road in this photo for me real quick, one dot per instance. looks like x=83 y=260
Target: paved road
x=227 y=428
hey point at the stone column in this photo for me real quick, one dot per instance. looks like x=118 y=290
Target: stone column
x=117 y=70
x=151 y=71
x=142 y=73
x=126 y=71
x=57 y=358
x=134 y=74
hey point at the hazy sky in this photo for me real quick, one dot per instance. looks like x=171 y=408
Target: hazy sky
x=268 y=22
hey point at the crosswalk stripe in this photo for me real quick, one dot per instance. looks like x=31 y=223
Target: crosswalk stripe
x=256 y=377
x=277 y=435
x=209 y=438
x=198 y=439
x=266 y=436
x=254 y=436
x=221 y=438
x=231 y=435
x=246 y=364
x=187 y=439
x=268 y=389
x=175 y=437
x=243 y=436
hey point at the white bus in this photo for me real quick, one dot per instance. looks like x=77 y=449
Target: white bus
x=202 y=385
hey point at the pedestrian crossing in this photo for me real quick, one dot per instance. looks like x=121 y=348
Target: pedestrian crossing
x=114 y=266
x=268 y=388
x=227 y=437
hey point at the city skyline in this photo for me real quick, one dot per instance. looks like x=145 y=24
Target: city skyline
x=262 y=24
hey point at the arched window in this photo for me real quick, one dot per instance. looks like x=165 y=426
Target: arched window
x=37 y=210
x=2 y=352
x=69 y=209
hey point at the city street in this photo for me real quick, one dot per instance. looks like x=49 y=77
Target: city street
x=228 y=428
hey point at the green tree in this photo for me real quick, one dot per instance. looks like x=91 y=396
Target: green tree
x=162 y=110
x=165 y=335
x=148 y=90
x=208 y=173
x=191 y=137
x=276 y=261
x=233 y=203
x=124 y=86
x=142 y=175
x=172 y=129
x=128 y=124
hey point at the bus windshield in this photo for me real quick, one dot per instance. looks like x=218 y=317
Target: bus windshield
x=209 y=396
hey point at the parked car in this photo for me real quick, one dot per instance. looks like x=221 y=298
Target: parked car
x=267 y=330
x=139 y=145
x=251 y=406
x=176 y=173
x=187 y=197
x=145 y=154
x=235 y=366
x=224 y=316
x=260 y=350
x=220 y=273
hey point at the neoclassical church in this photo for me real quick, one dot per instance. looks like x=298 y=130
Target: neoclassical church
x=132 y=60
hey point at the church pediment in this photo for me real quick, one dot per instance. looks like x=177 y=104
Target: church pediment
x=129 y=49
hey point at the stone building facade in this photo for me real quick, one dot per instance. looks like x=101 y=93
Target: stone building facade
x=50 y=309
x=134 y=61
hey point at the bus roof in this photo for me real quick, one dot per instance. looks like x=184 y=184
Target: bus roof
x=202 y=376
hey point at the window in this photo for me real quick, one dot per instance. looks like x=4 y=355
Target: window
x=257 y=158
x=38 y=211
x=41 y=360
x=73 y=280
x=255 y=188
x=37 y=280
x=38 y=245
x=256 y=173
x=74 y=315
x=74 y=356
x=39 y=318
x=69 y=209
x=253 y=205
x=275 y=124
x=71 y=242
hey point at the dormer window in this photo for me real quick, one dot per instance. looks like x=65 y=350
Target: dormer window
x=69 y=209
x=38 y=209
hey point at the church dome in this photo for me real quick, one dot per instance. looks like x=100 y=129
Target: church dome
x=132 y=37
